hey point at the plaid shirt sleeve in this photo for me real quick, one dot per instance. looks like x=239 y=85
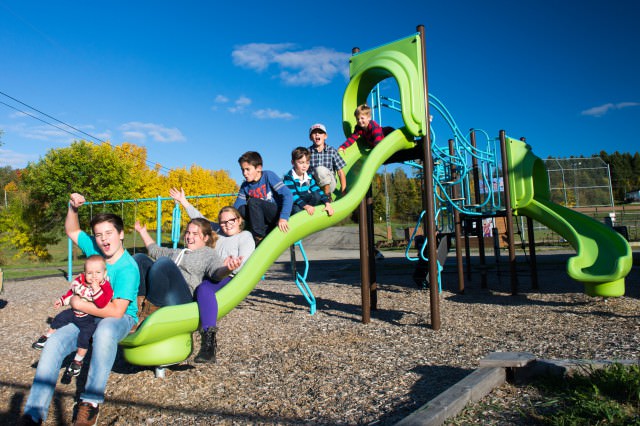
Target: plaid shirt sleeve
x=375 y=134
x=338 y=161
x=352 y=139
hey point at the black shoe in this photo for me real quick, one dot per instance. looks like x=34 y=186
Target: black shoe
x=27 y=420
x=87 y=414
x=208 y=346
x=74 y=368
x=39 y=344
x=72 y=371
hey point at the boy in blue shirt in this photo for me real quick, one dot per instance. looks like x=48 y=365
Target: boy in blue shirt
x=263 y=200
x=306 y=192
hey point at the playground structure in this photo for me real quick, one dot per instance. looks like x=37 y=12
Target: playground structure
x=603 y=257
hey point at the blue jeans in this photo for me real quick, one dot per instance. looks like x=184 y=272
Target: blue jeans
x=63 y=342
x=162 y=282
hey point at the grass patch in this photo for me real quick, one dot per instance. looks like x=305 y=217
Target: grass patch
x=15 y=268
x=608 y=396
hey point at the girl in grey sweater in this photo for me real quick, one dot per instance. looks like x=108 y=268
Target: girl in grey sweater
x=173 y=276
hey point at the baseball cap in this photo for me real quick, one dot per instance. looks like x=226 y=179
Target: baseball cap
x=317 y=126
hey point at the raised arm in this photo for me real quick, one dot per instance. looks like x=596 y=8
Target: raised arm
x=180 y=197
x=72 y=223
x=142 y=230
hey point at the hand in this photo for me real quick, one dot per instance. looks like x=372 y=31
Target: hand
x=343 y=190
x=328 y=209
x=179 y=196
x=140 y=228
x=76 y=200
x=310 y=209
x=57 y=304
x=340 y=150
x=232 y=263
x=283 y=225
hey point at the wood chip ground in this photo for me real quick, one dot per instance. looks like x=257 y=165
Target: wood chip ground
x=279 y=365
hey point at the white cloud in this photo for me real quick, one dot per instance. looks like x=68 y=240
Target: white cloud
x=221 y=99
x=240 y=105
x=40 y=133
x=136 y=130
x=18 y=115
x=601 y=110
x=14 y=159
x=311 y=67
x=269 y=114
x=258 y=56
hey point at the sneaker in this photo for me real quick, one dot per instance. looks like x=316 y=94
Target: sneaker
x=39 y=344
x=87 y=414
x=74 y=368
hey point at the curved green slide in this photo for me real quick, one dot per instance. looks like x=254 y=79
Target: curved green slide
x=603 y=257
x=165 y=337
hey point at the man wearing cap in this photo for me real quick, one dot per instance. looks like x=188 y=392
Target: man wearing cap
x=326 y=162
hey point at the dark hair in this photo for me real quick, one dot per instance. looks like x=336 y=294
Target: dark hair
x=251 y=157
x=113 y=219
x=205 y=228
x=300 y=152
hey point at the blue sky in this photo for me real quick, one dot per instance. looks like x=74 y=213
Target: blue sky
x=200 y=82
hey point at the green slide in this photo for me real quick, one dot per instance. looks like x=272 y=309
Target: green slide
x=603 y=257
x=165 y=336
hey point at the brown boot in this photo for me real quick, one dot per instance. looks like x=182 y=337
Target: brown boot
x=141 y=300
x=147 y=309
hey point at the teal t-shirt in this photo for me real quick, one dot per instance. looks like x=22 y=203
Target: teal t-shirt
x=124 y=275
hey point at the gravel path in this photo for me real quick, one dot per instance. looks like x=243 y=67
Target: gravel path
x=279 y=365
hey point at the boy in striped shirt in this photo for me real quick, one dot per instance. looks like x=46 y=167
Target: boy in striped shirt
x=306 y=192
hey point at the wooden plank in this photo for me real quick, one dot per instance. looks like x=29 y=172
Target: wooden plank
x=450 y=402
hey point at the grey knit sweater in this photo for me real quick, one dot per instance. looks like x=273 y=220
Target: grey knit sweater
x=195 y=265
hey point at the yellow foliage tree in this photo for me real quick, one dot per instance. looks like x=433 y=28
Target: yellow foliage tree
x=214 y=190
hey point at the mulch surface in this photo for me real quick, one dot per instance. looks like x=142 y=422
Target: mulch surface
x=277 y=364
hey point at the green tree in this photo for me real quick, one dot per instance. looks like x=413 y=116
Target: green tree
x=407 y=196
x=99 y=172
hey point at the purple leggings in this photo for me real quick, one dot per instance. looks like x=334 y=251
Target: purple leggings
x=207 y=302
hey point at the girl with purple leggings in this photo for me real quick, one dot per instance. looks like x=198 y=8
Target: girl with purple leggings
x=232 y=241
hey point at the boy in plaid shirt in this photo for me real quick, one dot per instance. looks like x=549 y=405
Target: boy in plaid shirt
x=366 y=129
x=326 y=162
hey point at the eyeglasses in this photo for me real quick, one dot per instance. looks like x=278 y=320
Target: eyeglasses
x=229 y=222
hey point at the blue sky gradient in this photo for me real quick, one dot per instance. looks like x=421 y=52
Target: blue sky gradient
x=201 y=82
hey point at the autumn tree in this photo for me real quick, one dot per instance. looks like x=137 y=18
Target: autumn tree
x=198 y=181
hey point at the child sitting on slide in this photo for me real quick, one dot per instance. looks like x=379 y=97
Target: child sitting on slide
x=263 y=200
x=367 y=129
x=306 y=192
